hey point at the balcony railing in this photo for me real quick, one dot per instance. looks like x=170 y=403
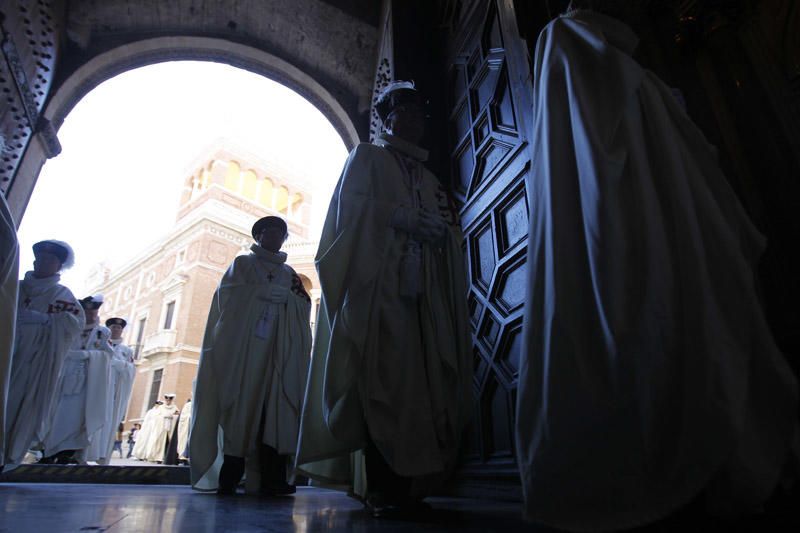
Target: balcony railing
x=159 y=341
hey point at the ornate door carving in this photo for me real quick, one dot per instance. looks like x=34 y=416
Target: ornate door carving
x=490 y=113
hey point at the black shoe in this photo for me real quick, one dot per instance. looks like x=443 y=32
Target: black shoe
x=406 y=509
x=226 y=491
x=66 y=457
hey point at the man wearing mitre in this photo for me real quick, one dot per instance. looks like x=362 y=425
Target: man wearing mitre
x=392 y=368
x=49 y=319
x=253 y=370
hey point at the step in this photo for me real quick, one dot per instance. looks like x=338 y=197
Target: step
x=137 y=475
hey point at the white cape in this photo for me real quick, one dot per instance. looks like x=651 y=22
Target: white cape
x=141 y=450
x=184 y=423
x=9 y=260
x=395 y=368
x=119 y=392
x=248 y=377
x=39 y=355
x=83 y=403
x=157 y=427
x=649 y=370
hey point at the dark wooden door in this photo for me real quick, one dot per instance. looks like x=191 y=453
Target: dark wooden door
x=489 y=104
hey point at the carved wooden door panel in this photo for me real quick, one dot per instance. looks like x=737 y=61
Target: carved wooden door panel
x=490 y=112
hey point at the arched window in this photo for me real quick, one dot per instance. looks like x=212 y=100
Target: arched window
x=249 y=184
x=297 y=201
x=233 y=177
x=281 y=199
x=265 y=195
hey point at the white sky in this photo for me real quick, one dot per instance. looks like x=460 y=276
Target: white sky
x=114 y=189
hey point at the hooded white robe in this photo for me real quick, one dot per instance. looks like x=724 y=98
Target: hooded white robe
x=649 y=369
x=9 y=261
x=120 y=385
x=83 y=399
x=398 y=367
x=253 y=368
x=39 y=354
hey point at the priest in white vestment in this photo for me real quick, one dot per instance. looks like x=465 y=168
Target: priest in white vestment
x=49 y=319
x=9 y=263
x=392 y=367
x=120 y=385
x=75 y=426
x=253 y=370
x=649 y=373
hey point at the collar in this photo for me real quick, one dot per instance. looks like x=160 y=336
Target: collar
x=277 y=258
x=40 y=284
x=401 y=145
x=115 y=342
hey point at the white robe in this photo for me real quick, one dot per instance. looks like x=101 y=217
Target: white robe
x=84 y=401
x=184 y=423
x=9 y=260
x=120 y=386
x=143 y=438
x=39 y=354
x=251 y=372
x=648 y=367
x=163 y=424
x=399 y=366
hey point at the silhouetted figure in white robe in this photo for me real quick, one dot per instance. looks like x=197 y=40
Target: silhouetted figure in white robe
x=392 y=367
x=253 y=371
x=648 y=372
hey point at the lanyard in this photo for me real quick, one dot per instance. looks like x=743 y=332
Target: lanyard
x=413 y=181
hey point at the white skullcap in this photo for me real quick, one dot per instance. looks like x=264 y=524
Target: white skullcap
x=68 y=261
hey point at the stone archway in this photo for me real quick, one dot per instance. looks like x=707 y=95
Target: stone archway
x=162 y=49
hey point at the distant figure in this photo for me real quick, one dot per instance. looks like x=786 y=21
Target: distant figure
x=121 y=379
x=74 y=431
x=117 y=441
x=392 y=367
x=649 y=375
x=163 y=425
x=9 y=261
x=49 y=319
x=132 y=435
x=253 y=371
x=177 y=453
x=184 y=423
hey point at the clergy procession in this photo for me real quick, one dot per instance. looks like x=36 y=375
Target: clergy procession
x=648 y=376
x=70 y=376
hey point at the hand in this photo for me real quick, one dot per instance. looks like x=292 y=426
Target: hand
x=419 y=223
x=29 y=316
x=278 y=294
